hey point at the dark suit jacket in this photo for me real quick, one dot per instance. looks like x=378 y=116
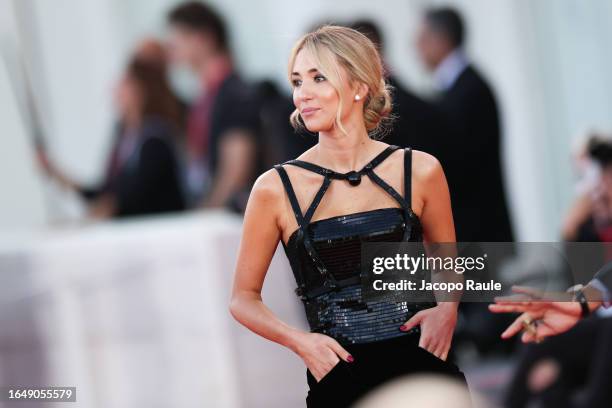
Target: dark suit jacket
x=472 y=158
x=415 y=121
x=148 y=182
x=461 y=129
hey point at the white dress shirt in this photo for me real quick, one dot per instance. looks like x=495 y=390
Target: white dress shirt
x=447 y=72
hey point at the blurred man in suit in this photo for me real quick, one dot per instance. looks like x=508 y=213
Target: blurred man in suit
x=469 y=147
x=415 y=120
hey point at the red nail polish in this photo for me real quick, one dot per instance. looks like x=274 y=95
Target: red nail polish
x=350 y=359
x=403 y=328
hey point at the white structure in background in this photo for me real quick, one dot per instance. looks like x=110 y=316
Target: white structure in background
x=22 y=202
x=136 y=314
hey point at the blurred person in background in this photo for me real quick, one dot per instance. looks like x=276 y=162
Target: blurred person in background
x=590 y=217
x=152 y=51
x=347 y=189
x=280 y=141
x=142 y=175
x=155 y=52
x=223 y=150
x=415 y=121
x=574 y=367
x=470 y=146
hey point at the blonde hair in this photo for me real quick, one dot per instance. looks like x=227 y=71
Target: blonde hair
x=333 y=46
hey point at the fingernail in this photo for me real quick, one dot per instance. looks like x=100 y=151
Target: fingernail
x=403 y=328
x=350 y=359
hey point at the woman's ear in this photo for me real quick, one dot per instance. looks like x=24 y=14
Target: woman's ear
x=361 y=91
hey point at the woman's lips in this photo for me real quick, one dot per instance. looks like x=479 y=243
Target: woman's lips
x=309 y=111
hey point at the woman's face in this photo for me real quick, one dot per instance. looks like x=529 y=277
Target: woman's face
x=315 y=97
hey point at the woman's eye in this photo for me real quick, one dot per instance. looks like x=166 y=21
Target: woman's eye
x=319 y=78
x=296 y=82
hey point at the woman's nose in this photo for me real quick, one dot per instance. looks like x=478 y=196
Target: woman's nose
x=304 y=92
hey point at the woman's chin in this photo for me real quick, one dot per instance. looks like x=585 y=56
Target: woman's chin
x=317 y=127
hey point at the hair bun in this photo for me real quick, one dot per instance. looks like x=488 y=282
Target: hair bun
x=377 y=110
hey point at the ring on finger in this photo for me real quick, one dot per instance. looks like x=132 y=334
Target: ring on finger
x=530 y=326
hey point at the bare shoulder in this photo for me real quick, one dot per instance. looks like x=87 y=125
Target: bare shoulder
x=268 y=189
x=426 y=167
x=307 y=155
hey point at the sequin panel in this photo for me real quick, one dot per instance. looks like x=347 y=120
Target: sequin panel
x=344 y=316
x=342 y=313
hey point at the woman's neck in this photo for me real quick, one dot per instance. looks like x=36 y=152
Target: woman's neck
x=345 y=152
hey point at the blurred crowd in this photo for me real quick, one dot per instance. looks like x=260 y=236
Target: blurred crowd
x=172 y=155
x=207 y=152
x=573 y=368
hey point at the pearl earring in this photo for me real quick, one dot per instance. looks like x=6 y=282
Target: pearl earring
x=357 y=97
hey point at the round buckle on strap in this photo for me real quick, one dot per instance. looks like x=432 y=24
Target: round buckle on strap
x=353 y=177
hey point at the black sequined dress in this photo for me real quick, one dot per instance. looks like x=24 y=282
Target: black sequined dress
x=325 y=258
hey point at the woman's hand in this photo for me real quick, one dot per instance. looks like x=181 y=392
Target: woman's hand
x=437 y=328
x=320 y=353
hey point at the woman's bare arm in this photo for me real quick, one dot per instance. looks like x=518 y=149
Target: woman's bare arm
x=438 y=323
x=261 y=233
x=437 y=215
x=437 y=220
x=260 y=237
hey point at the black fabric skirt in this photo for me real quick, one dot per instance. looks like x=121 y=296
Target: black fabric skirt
x=375 y=363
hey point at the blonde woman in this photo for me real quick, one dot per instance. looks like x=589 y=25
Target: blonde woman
x=347 y=189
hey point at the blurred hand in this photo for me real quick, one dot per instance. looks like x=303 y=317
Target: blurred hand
x=321 y=353
x=550 y=317
x=437 y=328
x=102 y=208
x=52 y=171
x=43 y=160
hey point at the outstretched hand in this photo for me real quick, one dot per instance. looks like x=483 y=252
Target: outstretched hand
x=550 y=317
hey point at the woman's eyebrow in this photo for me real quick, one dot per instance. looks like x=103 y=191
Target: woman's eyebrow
x=311 y=70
